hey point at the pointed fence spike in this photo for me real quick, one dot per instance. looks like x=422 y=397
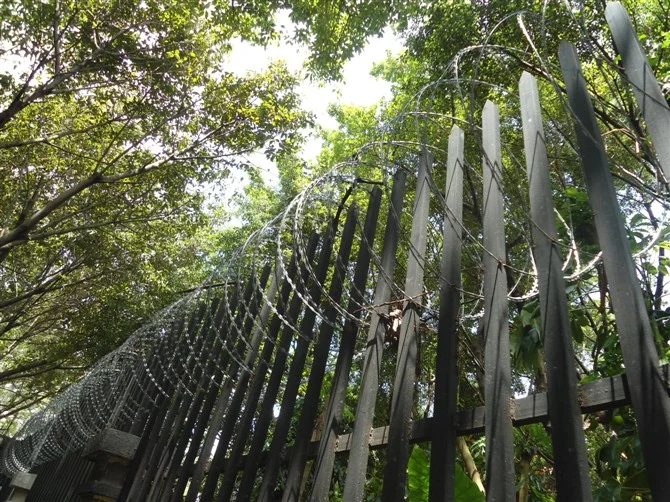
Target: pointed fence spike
x=650 y=99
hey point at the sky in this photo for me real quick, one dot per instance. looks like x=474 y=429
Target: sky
x=357 y=88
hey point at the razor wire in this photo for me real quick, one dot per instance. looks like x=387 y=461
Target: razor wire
x=180 y=349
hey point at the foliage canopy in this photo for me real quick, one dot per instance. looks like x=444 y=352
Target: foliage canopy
x=116 y=114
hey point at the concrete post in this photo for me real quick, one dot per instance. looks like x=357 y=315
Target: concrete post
x=111 y=451
x=21 y=484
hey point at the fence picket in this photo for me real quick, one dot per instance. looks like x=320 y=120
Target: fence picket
x=207 y=393
x=217 y=415
x=648 y=93
x=402 y=399
x=142 y=482
x=310 y=404
x=187 y=432
x=163 y=447
x=326 y=456
x=648 y=394
x=354 y=484
x=443 y=445
x=567 y=434
x=256 y=387
x=182 y=427
x=498 y=385
x=283 y=423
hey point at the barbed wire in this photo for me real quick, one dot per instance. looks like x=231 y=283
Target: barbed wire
x=265 y=289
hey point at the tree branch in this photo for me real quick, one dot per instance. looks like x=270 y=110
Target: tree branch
x=18 y=103
x=4 y=375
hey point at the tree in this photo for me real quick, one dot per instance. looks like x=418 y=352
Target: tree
x=336 y=32
x=113 y=118
x=111 y=114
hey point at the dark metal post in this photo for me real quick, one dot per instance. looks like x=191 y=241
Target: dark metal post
x=567 y=432
x=358 y=456
x=219 y=400
x=149 y=430
x=202 y=375
x=397 y=455
x=178 y=404
x=326 y=456
x=319 y=360
x=293 y=381
x=647 y=392
x=182 y=428
x=650 y=99
x=167 y=380
x=195 y=433
x=254 y=391
x=443 y=445
x=498 y=385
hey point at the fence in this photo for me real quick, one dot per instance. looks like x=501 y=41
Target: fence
x=242 y=391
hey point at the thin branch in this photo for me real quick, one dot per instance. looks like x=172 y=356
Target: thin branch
x=4 y=375
x=60 y=135
x=43 y=90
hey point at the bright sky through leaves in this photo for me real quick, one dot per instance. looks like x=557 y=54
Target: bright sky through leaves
x=357 y=88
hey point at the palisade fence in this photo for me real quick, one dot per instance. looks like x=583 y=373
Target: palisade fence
x=271 y=383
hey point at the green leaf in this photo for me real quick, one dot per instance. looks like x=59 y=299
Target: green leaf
x=418 y=474
x=638 y=219
x=418 y=480
x=466 y=489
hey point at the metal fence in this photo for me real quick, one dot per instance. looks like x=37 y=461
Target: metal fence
x=265 y=386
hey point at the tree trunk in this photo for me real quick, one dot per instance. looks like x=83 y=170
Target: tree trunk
x=524 y=491
x=470 y=466
x=316 y=435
